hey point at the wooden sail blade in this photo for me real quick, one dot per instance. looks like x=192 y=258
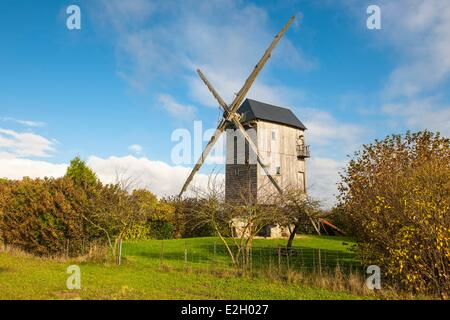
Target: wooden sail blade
x=213 y=91
x=221 y=127
x=251 y=78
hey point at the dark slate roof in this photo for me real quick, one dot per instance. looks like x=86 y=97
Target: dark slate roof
x=256 y=110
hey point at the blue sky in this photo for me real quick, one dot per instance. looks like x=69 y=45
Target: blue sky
x=114 y=91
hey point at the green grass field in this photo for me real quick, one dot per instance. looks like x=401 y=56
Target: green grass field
x=175 y=269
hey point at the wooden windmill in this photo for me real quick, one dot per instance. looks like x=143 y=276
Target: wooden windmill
x=231 y=116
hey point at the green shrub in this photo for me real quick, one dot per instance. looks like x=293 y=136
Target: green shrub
x=186 y=219
x=160 y=229
x=80 y=173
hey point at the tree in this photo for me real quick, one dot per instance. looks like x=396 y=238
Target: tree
x=298 y=210
x=236 y=224
x=394 y=196
x=114 y=211
x=80 y=173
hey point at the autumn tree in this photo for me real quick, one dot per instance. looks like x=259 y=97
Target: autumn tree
x=394 y=196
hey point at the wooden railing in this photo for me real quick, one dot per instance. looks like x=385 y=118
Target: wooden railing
x=303 y=151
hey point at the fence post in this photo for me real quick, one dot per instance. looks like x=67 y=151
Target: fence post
x=303 y=260
x=320 y=263
x=270 y=261
x=214 y=259
x=119 y=257
x=314 y=260
x=337 y=259
x=185 y=255
x=161 y=258
x=287 y=261
x=250 y=260
x=259 y=265
x=279 y=259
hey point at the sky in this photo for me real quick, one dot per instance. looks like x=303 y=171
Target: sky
x=117 y=91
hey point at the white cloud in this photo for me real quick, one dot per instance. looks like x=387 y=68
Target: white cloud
x=27 y=123
x=323 y=176
x=420 y=31
x=157 y=176
x=176 y=109
x=126 y=13
x=30 y=123
x=422 y=114
x=329 y=134
x=417 y=32
x=15 y=168
x=136 y=148
x=24 y=144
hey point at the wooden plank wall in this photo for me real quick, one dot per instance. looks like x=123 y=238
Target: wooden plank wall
x=278 y=151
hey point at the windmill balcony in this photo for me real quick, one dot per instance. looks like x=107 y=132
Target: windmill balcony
x=303 y=151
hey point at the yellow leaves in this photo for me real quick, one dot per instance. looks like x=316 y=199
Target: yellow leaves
x=400 y=206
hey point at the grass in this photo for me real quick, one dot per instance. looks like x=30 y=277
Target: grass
x=158 y=270
x=211 y=253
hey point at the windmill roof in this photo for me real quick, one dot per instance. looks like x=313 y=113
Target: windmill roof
x=256 y=110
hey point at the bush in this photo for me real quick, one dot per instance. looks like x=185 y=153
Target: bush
x=139 y=231
x=160 y=230
x=395 y=198
x=187 y=221
x=38 y=217
x=66 y=216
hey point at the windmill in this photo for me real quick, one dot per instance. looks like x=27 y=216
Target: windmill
x=230 y=115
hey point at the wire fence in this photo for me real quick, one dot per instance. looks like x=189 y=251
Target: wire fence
x=215 y=256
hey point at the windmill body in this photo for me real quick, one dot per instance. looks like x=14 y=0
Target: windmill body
x=279 y=138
